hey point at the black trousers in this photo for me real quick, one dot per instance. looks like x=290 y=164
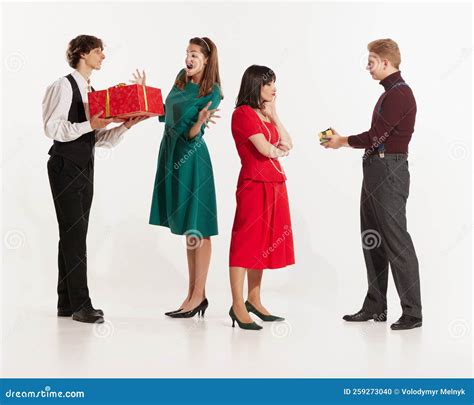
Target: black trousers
x=385 y=239
x=72 y=188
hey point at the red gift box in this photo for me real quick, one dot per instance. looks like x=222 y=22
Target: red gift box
x=125 y=101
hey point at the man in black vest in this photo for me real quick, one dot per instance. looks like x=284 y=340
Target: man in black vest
x=71 y=170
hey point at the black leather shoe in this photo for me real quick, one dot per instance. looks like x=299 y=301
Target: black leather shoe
x=66 y=312
x=363 y=316
x=87 y=315
x=99 y=311
x=407 y=322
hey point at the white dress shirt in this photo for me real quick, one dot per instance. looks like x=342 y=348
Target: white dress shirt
x=56 y=104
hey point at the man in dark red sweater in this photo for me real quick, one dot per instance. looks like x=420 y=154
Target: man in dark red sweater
x=385 y=188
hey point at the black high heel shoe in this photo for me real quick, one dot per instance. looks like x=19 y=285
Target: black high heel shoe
x=173 y=312
x=248 y=326
x=200 y=310
x=263 y=317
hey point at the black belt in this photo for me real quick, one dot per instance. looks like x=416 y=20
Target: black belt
x=393 y=156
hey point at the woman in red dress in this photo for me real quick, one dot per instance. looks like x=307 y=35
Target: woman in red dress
x=261 y=236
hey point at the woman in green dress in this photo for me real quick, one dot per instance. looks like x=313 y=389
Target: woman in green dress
x=184 y=197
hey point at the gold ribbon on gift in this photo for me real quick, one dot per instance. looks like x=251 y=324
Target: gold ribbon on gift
x=107 y=104
x=145 y=97
x=107 y=99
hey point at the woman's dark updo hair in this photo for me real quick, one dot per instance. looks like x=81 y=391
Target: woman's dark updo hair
x=79 y=45
x=252 y=81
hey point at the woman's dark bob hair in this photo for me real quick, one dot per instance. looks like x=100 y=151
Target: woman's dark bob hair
x=252 y=81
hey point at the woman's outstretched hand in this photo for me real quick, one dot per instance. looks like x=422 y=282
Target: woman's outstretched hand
x=206 y=115
x=139 y=78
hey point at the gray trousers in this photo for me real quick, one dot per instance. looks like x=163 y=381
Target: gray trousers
x=385 y=239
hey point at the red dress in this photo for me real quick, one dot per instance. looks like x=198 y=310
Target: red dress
x=262 y=237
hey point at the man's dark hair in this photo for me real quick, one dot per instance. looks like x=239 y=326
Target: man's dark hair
x=79 y=45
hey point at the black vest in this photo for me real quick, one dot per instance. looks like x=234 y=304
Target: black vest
x=81 y=150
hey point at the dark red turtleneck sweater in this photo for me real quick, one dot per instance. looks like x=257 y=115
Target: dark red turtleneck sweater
x=393 y=119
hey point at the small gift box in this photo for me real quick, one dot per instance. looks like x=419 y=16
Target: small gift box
x=324 y=134
x=125 y=101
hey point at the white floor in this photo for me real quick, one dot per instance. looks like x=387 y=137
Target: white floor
x=137 y=340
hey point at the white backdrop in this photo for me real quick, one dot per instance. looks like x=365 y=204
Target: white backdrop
x=318 y=51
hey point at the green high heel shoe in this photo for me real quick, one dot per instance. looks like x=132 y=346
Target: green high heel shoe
x=263 y=317
x=248 y=326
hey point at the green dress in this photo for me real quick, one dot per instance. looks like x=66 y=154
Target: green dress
x=184 y=196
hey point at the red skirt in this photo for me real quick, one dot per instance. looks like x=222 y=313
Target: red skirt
x=262 y=237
